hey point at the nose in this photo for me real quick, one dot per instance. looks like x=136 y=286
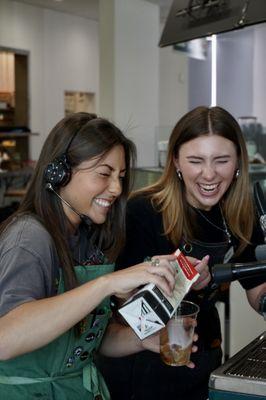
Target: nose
x=115 y=186
x=208 y=172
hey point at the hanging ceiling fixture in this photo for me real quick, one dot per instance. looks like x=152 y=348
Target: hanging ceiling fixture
x=191 y=19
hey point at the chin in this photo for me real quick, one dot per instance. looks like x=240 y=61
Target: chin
x=211 y=204
x=99 y=220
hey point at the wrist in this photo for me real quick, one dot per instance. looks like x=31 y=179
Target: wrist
x=106 y=285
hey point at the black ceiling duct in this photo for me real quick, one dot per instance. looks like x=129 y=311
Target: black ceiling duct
x=191 y=19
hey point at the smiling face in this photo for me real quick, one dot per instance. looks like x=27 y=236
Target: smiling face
x=94 y=186
x=208 y=164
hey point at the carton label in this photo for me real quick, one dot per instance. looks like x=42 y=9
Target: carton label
x=148 y=310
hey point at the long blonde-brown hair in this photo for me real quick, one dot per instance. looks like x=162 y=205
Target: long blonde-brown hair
x=168 y=193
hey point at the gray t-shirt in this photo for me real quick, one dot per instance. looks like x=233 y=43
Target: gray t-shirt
x=29 y=264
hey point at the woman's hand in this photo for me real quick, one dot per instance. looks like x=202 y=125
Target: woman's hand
x=152 y=343
x=202 y=268
x=158 y=271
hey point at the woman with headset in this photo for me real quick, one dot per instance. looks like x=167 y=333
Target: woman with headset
x=57 y=256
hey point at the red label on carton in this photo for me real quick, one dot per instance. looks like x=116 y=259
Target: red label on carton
x=188 y=269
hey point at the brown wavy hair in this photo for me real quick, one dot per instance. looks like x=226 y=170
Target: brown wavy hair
x=168 y=193
x=83 y=136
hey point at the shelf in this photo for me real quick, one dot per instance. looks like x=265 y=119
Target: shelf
x=17 y=134
x=19 y=148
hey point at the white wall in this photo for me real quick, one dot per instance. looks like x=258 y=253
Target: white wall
x=259 y=81
x=63 y=55
x=137 y=75
x=245 y=323
x=241 y=84
x=129 y=80
x=152 y=83
x=173 y=89
x=235 y=71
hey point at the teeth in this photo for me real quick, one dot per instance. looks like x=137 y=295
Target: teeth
x=102 y=203
x=209 y=188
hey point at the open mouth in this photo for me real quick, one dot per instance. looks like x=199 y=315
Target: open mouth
x=103 y=203
x=208 y=188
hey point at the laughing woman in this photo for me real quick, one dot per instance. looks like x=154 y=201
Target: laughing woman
x=57 y=255
x=201 y=204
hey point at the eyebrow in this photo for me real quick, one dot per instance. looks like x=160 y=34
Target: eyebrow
x=111 y=168
x=202 y=158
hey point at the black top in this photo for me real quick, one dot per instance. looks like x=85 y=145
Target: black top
x=144 y=376
x=145 y=236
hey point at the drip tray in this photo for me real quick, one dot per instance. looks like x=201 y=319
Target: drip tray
x=245 y=372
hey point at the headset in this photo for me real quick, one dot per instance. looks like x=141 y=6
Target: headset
x=58 y=172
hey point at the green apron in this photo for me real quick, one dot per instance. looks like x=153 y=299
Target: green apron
x=63 y=369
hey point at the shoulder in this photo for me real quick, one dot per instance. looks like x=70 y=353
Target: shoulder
x=28 y=263
x=28 y=233
x=141 y=204
x=141 y=215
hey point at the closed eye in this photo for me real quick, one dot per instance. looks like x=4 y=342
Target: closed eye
x=222 y=161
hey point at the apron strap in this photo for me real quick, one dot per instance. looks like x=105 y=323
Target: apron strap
x=23 y=380
x=92 y=380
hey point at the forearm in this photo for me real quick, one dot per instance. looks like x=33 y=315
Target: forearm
x=37 y=323
x=120 y=341
x=34 y=324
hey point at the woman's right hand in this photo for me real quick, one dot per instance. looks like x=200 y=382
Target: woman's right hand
x=123 y=282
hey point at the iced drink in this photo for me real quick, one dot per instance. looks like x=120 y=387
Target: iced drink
x=177 y=336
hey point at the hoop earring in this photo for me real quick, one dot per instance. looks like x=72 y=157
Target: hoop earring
x=179 y=174
x=237 y=174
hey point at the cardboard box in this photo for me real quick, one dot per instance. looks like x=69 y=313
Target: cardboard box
x=148 y=310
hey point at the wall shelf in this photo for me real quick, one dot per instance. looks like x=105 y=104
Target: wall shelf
x=21 y=147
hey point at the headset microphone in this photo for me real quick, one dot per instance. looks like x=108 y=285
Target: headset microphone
x=83 y=217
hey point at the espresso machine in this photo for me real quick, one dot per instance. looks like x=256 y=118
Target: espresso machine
x=243 y=376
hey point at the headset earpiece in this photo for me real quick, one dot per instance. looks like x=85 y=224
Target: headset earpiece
x=58 y=172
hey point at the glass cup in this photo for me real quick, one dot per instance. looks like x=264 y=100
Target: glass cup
x=176 y=337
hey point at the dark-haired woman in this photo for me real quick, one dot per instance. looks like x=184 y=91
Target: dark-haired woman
x=57 y=255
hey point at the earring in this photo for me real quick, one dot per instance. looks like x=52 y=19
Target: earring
x=179 y=174
x=237 y=173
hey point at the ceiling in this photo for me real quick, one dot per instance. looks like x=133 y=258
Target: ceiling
x=88 y=8
x=82 y=8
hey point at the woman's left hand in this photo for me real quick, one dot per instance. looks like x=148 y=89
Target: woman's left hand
x=152 y=343
x=202 y=268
